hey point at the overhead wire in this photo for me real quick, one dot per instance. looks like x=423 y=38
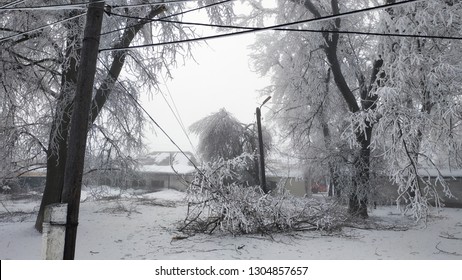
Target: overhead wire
x=152 y=3
x=74 y=6
x=282 y=25
x=174 y=110
x=165 y=17
x=178 y=118
x=83 y=5
x=12 y=3
x=177 y=114
x=251 y=29
x=41 y=27
x=157 y=124
x=423 y=36
x=84 y=13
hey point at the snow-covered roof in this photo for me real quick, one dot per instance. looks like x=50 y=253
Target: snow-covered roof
x=280 y=169
x=167 y=163
x=35 y=171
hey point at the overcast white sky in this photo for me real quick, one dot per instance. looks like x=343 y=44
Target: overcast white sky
x=220 y=78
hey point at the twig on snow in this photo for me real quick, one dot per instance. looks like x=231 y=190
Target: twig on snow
x=5 y=207
x=446 y=252
x=450 y=236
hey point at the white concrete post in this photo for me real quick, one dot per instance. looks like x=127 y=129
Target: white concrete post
x=54 y=231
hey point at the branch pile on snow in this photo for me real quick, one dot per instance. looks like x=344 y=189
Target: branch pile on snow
x=217 y=201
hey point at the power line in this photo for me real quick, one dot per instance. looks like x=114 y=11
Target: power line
x=302 y=30
x=156 y=123
x=41 y=27
x=84 y=13
x=177 y=114
x=83 y=5
x=165 y=17
x=150 y=4
x=15 y=2
x=178 y=117
x=254 y=30
x=76 y=6
x=174 y=111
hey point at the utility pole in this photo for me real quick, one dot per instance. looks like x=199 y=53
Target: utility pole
x=261 y=148
x=79 y=124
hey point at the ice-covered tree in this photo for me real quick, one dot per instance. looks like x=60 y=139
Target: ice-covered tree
x=320 y=79
x=39 y=57
x=419 y=105
x=400 y=94
x=223 y=137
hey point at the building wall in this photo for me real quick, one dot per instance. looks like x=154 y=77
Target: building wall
x=295 y=186
x=158 y=181
x=387 y=192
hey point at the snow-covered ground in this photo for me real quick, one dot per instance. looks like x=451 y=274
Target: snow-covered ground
x=143 y=226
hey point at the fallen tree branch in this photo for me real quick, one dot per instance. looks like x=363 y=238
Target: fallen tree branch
x=446 y=252
x=450 y=236
x=5 y=207
x=222 y=203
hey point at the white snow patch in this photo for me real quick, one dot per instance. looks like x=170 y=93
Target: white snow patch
x=161 y=156
x=167 y=194
x=181 y=169
x=180 y=159
x=129 y=228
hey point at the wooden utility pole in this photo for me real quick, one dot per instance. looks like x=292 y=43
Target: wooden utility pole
x=79 y=124
x=262 y=153
x=261 y=148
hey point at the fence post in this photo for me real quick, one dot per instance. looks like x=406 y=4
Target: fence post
x=54 y=231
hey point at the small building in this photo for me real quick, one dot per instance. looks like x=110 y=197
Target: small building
x=386 y=192
x=296 y=186
x=291 y=176
x=33 y=179
x=171 y=170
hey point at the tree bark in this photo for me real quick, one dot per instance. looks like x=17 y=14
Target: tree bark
x=357 y=205
x=57 y=143
x=56 y=163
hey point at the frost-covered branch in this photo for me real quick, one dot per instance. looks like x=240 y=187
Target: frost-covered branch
x=218 y=201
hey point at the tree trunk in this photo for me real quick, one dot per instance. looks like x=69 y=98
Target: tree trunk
x=57 y=142
x=55 y=172
x=358 y=197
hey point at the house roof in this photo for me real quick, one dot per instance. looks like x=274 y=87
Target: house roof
x=284 y=168
x=34 y=171
x=167 y=163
